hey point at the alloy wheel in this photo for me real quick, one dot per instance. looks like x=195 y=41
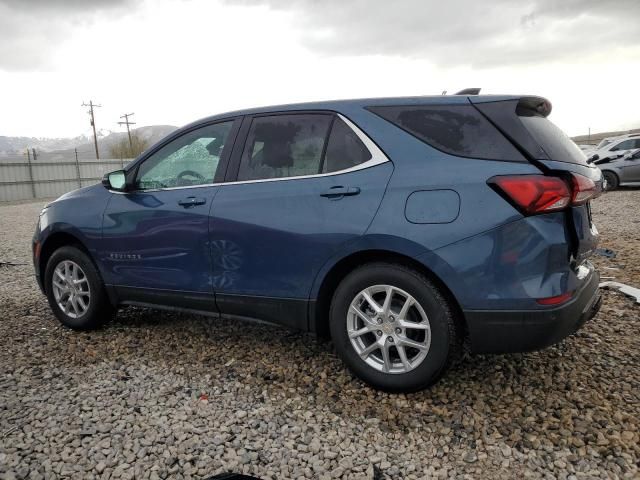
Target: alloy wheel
x=388 y=329
x=71 y=289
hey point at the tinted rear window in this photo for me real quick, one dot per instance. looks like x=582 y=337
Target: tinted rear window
x=557 y=145
x=456 y=129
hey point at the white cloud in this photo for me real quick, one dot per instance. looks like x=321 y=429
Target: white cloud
x=173 y=61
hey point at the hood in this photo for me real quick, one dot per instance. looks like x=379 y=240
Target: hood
x=89 y=191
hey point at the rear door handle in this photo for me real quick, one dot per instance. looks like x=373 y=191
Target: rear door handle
x=191 y=202
x=339 y=191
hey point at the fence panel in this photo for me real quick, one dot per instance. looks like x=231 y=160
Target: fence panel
x=10 y=192
x=97 y=170
x=49 y=171
x=49 y=177
x=14 y=172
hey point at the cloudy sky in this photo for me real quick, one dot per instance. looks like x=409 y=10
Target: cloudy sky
x=173 y=61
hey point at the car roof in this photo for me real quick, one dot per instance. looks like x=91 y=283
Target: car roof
x=340 y=105
x=627 y=136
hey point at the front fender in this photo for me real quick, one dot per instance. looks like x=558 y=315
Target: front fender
x=77 y=214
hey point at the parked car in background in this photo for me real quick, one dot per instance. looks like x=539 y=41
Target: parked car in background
x=619 y=169
x=607 y=140
x=617 y=145
x=401 y=228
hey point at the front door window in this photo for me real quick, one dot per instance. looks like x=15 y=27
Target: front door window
x=190 y=160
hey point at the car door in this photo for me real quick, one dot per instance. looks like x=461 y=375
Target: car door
x=155 y=238
x=630 y=165
x=306 y=184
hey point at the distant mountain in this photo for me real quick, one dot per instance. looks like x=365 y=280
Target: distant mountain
x=12 y=145
x=83 y=143
x=150 y=134
x=595 y=138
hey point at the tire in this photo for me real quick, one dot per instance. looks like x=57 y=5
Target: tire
x=90 y=306
x=611 y=180
x=440 y=345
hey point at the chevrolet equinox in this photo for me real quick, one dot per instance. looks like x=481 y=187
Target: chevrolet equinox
x=403 y=229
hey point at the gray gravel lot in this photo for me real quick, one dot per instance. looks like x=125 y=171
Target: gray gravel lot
x=130 y=400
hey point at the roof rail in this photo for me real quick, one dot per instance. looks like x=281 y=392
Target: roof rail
x=469 y=91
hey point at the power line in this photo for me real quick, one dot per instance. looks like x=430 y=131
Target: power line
x=127 y=123
x=92 y=120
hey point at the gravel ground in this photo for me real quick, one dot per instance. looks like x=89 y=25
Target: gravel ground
x=162 y=395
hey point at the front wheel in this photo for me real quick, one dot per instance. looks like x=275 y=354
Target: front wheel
x=393 y=328
x=75 y=290
x=610 y=180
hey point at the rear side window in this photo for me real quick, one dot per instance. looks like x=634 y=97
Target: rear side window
x=344 y=150
x=556 y=144
x=456 y=129
x=281 y=146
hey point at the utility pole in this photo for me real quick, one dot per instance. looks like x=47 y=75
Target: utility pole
x=92 y=120
x=127 y=123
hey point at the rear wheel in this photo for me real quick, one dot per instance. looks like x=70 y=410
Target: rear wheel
x=75 y=290
x=611 y=181
x=393 y=328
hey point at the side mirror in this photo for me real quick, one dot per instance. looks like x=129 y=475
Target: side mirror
x=115 y=181
x=593 y=158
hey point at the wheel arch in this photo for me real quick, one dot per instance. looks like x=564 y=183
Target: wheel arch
x=609 y=170
x=55 y=241
x=319 y=310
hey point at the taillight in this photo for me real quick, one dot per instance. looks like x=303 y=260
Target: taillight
x=533 y=194
x=557 y=300
x=584 y=189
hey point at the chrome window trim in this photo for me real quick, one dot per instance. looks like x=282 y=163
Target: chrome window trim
x=377 y=158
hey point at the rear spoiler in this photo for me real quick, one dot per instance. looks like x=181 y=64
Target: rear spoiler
x=468 y=91
x=528 y=106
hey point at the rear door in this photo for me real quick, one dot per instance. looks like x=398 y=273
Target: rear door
x=302 y=185
x=630 y=165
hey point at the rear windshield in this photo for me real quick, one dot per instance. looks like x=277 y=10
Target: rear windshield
x=557 y=145
x=455 y=129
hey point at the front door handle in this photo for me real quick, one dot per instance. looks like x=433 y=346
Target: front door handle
x=340 y=191
x=191 y=202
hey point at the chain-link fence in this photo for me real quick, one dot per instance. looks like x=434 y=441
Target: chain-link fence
x=50 y=174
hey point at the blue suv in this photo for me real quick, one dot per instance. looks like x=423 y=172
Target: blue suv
x=405 y=229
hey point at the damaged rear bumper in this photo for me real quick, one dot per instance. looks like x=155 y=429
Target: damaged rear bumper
x=509 y=331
